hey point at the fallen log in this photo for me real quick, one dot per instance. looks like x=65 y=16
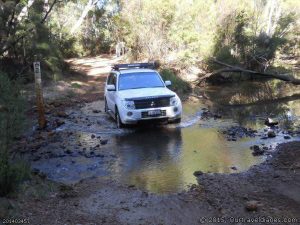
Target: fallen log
x=230 y=68
x=265 y=101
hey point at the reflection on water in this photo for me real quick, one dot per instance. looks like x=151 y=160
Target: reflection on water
x=247 y=101
x=164 y=159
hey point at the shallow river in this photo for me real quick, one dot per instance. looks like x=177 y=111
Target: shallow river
x=163 y=159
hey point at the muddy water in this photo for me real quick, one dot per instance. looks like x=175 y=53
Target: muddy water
x=162 y=159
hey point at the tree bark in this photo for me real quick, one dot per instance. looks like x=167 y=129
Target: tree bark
x=231 y=68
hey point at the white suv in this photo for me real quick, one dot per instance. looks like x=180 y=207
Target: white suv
x=136 y=92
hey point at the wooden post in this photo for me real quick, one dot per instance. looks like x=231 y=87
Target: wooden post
x=39 y=94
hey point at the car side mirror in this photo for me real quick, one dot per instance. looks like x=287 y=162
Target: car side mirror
x=168 y=83
x=111 y=87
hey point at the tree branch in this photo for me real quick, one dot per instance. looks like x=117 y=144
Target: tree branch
x=48 y=12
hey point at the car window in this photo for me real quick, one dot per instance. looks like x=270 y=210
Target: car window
x=110 y=79
x=140 y=80
x=114 y=80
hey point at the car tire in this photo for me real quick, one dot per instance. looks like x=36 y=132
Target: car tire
x=118 y=119
x=105 y=106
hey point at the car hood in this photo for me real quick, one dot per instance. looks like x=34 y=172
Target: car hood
x=132 y=94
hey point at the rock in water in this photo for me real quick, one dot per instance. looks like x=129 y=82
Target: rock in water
x=271 y=134
x=233 y=168
x=269 y=122
x=198 y=173
x=257 y=150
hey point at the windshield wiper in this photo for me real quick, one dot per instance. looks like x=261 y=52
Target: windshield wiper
x=145 y=87
x=141 y=87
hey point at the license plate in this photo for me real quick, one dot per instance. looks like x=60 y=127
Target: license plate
x=154 y=113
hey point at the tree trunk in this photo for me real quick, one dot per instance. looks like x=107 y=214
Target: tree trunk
x=24 y=11
x=87 y=8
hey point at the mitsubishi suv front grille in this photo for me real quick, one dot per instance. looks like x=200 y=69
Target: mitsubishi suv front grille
x=152 y=103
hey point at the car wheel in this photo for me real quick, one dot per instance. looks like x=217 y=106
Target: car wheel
x=105 y=106
x=118 y=119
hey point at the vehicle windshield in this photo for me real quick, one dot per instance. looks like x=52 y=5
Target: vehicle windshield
x=139 y=80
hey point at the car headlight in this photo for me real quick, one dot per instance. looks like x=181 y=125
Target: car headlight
x=173 y=101
x=129 y=104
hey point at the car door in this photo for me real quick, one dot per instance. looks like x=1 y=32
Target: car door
x=110 y=96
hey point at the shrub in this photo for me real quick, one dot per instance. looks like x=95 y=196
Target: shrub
x=178 y=84
x=11 y=174
x=11 y=124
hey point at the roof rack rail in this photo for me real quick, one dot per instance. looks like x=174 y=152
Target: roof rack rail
x=149 y=65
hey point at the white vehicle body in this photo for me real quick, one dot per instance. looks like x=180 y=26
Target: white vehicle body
x=132 y=105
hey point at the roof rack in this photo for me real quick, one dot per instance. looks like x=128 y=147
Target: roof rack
x=150 y=65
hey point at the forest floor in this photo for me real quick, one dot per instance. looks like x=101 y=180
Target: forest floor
x=264 y=194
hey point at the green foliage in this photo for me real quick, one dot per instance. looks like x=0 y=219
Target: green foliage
x=239 y=41
x=11 y=174
x=176 y=32
x=11 y=110
x=11 y=124
x=178 y=84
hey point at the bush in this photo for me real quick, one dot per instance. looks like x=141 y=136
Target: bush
x=178 y=84
x=11 y=124
x=11 y=174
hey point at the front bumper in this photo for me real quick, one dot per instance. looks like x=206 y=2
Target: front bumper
x=169 y=113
